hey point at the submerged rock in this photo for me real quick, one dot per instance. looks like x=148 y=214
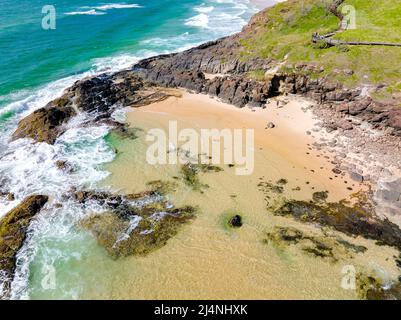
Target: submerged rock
x=357 y=220
x=267 y=187
x=326 y=247
x=123 y=131
x=236 y=221
x=135 y=224
x=370 y=288
x=320 y=196
x=190 y=171
x=139 y=235
x=13 y=228
x=282 y=182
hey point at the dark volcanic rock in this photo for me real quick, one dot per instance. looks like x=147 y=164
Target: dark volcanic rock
x=236 y=221
x=100 y=94
x=13 y=228
x=98 y=97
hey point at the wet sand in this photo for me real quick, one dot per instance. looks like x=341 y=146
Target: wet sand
x=207 y=260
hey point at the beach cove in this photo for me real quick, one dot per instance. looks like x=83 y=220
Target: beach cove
x=308 y=210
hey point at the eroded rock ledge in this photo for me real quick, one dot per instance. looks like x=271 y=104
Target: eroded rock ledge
x=134 y=224
x=96 y=97
x=13 y=229
x=233 y=85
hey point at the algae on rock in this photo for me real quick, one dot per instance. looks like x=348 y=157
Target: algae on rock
x=325 y=246
x=370 y=287
x=13 y=229
x=135 y=224
x=190 y=171
x=356 y=220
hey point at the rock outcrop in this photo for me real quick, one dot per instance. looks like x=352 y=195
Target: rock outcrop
x=215 y=68
x=45 y=124
x=357 y=220
x=13 y=229
x=235 y=87
x=98 y=97
x=134 y=224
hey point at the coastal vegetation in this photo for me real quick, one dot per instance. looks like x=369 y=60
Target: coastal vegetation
x=284 y=32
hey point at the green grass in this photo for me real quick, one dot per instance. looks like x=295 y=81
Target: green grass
x=257 y=74
x=287 y=29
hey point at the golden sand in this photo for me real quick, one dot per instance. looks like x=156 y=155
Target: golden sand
x=208 y=261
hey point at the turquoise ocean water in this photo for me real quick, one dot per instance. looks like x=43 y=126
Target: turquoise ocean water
x=94 y=36
x=36 y=65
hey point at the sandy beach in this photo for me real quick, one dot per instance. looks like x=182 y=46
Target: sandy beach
x=289 y=143
x=207 y=260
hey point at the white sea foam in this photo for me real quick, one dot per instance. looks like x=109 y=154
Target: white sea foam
x=120 y=62
x=25 y=167
x=52 y=238
x=204 y=9
x=200 y=20
x=221 y=17
x=101 y=9
x=178 y=43
x=117 y=6
x=29 y=168
x=89 y=13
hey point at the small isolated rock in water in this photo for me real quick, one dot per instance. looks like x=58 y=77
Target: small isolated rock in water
x=61 y=164
x=270 y=125
x=356 y=177
x=236 y=221
x=64 y=165
x=10 y=196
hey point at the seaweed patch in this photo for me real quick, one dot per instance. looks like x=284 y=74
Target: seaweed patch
x=190 y=174
x=325 y=246
x=135 y=224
